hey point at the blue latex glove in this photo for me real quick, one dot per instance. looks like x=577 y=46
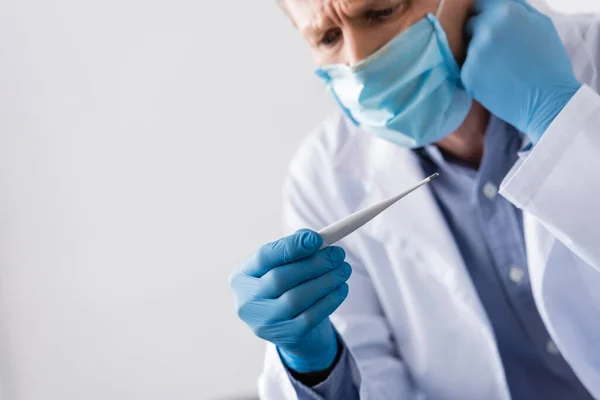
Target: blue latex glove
x=516 y=65
x=286 y=292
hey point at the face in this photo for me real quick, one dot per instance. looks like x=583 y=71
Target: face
x=348 y=31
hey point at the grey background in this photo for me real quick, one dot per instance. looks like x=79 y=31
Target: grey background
x=142 y=147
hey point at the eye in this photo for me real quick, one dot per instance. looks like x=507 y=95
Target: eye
x=380 y=15
x=331 y=37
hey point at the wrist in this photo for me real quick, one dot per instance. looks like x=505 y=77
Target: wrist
x=313 y=358
x=550 y=108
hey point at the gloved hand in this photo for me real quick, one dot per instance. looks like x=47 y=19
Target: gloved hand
x=286 y=292
x=516 y=65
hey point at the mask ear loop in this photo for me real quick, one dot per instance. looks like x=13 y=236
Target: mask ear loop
x=440 y=9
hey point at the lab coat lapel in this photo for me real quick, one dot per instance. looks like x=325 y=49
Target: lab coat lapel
x=417 y=220
x=539 y=244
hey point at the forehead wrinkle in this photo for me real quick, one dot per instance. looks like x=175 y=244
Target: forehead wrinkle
x=351 y=7
x=326 y=13
x=319 y=20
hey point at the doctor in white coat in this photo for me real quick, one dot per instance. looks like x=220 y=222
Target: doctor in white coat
x=484 y=287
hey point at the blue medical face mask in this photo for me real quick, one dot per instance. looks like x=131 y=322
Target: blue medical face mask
x=408 y=92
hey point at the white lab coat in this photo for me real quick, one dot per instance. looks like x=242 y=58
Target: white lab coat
x=413 y=322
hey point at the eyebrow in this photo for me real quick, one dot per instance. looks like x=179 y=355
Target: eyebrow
x=321 y=24
x=317 y=27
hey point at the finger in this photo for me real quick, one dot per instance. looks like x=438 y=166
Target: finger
x=470 y=26
x=245 y=287
x=281 y=279
x=482 y=5
x=478 y=31
x=321 y=310
x=301 y=244
x=468 y=73
x=522 y=2
x=288 y=331
x=299 y=299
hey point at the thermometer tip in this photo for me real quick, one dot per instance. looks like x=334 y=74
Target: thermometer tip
x=432 y=177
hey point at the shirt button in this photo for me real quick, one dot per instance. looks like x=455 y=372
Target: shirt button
x=551 y=348
x=490 y=190
x=516 y=274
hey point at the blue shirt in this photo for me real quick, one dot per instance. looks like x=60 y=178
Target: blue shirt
x=488 y=230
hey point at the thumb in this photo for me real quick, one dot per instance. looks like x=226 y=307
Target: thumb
x=301 y=244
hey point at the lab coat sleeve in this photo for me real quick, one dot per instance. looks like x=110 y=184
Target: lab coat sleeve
x=559 y=181
x=558 y=184
x=312 y=199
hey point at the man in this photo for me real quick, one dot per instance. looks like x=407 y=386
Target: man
x=485 y=285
